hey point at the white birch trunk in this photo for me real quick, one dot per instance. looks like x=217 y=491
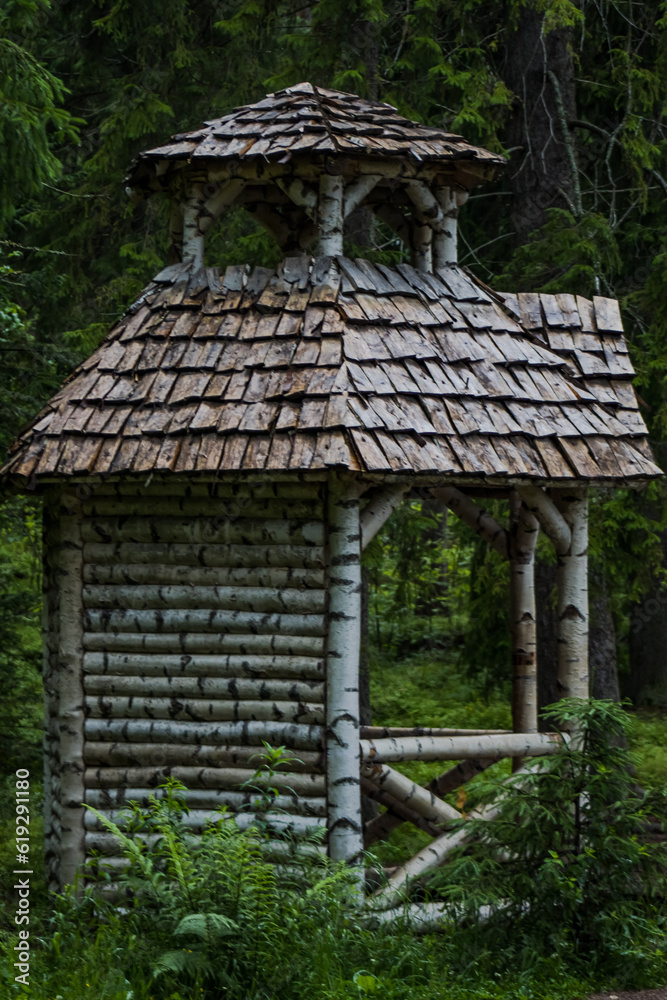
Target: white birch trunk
x=356 y=191
x=269 y=668
x=71 y=702
x=208 y=798
x=200 y=710
x=342 y=731
x=572 y=576
x=211 y=642
x=330 y=215
x=523 y=617
x=459 y=747
x=230 y=778
x=184 y=597
x=249 y=733
x=233 y=689
x=193 y=237
x=202 y=531
x=172 y=620
x=198 y=554
x=204 y=576
x=551 y=520
x=387 y=732
x=173 y=754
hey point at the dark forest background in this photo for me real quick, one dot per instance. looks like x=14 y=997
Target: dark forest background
x=571 y=91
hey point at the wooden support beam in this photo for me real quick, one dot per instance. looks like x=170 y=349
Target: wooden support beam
x=410 y=794
x=342 y=709
x=430 y=857
x=300 y=194
x=193 y=236
x=379 y=509
x=330 y=215
x=476 y=518
x=523 y=616
x=381 y=826
x=551 y=520
x=357 y=190
x=459 y=747
x=397 y=812
x=572 y=580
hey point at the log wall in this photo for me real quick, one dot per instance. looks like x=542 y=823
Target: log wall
x=202 y=619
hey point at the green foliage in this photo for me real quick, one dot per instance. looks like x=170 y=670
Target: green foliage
x=563 y=875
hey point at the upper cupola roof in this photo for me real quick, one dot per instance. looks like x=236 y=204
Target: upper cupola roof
x=306 y=120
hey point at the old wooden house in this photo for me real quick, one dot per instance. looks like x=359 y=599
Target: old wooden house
x=212 y=473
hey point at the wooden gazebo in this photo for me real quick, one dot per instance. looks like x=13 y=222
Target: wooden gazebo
x=212 y=473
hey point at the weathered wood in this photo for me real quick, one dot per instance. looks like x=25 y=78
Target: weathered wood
x=342 y=741
x=201 y=710
x=551 y=520
x=211 y=642
x=71 y=697
x=572 y=580
x=330 y=215
x=271 y=668
x=523 y=616
x=201 y=755
x=175 y=620
x=472 y=515
x=249 y=733
x=229 y=778
x=458 y=747
x=381 y=505
x=232 y=689
x=412 y=795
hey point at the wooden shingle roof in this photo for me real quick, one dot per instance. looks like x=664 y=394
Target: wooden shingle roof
x=338 y=363
x=309 y=120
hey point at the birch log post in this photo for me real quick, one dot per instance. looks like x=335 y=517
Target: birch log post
x=523 y=616
x=71 y=703
x=572 y=578
x=412 y=795
x=445 y=249
x=330 y=215
x=342 y=710
x=193 y=236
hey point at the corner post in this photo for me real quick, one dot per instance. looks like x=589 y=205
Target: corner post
x=572 y=580
x=71 y=715
x=445 y=241
x=342 y=712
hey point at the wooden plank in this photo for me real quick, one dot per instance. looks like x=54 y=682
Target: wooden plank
x=531 y=313
x=552 y=311
x=372 y=457
x=580 y=458
x=587 y=314
x=568 y=305
x=607 y=314
x=554 y=462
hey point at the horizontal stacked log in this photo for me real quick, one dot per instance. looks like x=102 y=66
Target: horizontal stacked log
x=203 y=638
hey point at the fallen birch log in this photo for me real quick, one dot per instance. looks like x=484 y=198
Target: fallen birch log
x=458 y=747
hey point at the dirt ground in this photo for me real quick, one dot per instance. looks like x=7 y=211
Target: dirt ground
x=643 y=995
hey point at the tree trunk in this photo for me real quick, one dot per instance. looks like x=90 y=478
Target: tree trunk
x=547 y=642
x=539 y=69
x=602 y=641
